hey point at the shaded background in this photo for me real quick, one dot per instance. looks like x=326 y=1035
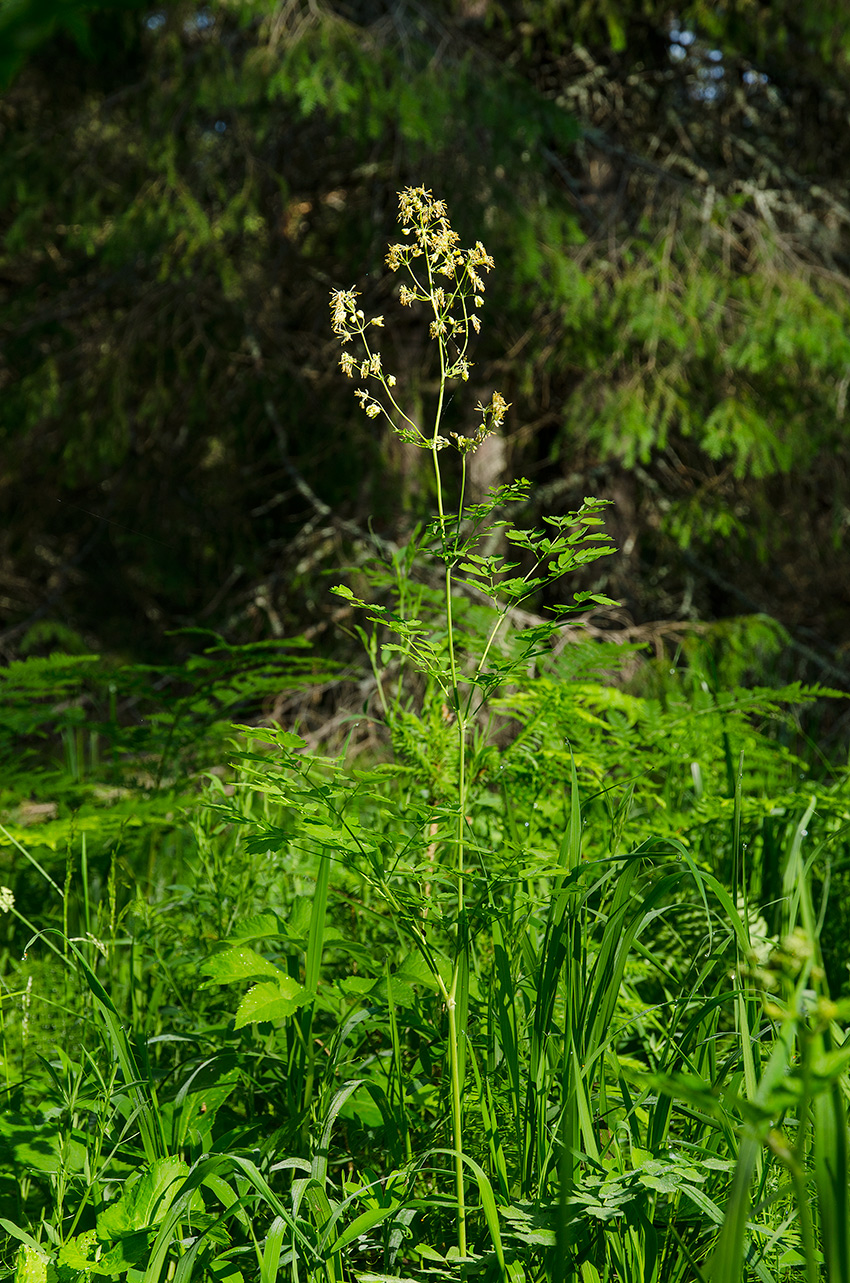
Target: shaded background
x=666 y=196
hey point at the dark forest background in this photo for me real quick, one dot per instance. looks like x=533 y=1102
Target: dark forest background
x=665 y=192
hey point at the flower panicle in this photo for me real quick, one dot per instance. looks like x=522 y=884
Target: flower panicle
x=451 y=281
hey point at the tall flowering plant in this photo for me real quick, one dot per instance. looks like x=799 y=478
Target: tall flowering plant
x=449 y=282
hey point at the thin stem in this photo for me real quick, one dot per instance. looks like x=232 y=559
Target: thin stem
x=371 y=651
x=457 y=1126
x=462 y=495
x=454 y=1033
x=5 y=1050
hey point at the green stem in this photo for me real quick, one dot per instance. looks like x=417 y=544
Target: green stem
x=4 y=1049
x=797 y=1166
x=457 y=1125
x=454 y=1033
x=462 y=495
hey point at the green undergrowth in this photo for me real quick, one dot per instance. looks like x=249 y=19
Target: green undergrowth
x=538 y=975
x=245 y=1054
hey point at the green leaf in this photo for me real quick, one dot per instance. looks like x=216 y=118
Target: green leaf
x=145 y=1203
x=271 y=1000
x=225 y=1271
x=238 y=963
x=130 y=1250
x=258 y=927
x=415 y=970
x=663 y=1182
x=33 y=1266
x=77 y=1253
x=383 y=1278
x=402 y=994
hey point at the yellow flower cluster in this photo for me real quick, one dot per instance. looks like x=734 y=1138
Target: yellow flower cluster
x=492 y=416
x=429 y=255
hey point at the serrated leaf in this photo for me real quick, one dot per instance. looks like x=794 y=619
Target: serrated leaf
x=534 y=1237
x=238 y=963
x=271 y=1000
x=271 y=839
x=258 y=927
x=415 y=970
x=77 y=1253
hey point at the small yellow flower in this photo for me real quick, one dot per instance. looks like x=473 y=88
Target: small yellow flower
x=342 y=309
x=478 y=257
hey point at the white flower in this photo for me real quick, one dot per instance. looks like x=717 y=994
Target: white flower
x=7 y=900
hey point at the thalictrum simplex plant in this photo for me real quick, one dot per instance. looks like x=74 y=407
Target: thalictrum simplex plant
x=449 y=282
x=459 y=585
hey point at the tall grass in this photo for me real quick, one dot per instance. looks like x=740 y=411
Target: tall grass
x=499 y=999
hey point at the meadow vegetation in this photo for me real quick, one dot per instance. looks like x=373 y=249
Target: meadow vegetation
x=533 y=966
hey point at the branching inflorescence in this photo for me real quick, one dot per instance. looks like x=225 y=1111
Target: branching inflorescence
x=450 y=280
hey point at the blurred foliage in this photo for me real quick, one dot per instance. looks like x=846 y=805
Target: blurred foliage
x=669 y=202
x=26 y=24
x=111 y=755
